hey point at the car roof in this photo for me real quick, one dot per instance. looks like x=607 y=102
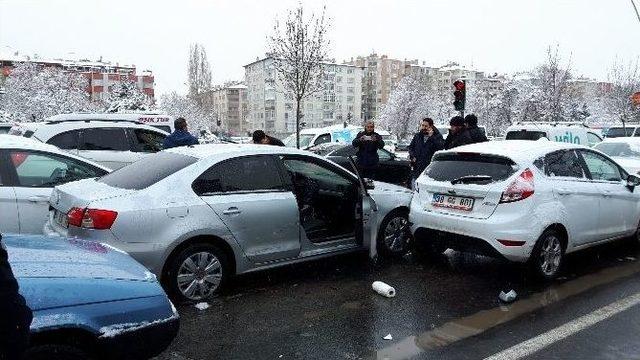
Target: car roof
x=47 y=130
x=103 y=116
x=517 y=150
x=209 y=150
x=547 y=126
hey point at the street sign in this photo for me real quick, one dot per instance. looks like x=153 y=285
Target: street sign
x=635 y=98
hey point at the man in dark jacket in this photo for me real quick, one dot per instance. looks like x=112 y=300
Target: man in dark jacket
x=180 y=137
x=259 y=137
x=423 y=146
x=458 y=134
x=476 y=135
x=15 y=315
x=368 y=142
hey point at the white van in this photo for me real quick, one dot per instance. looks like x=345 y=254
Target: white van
x=160 y=121
x=316 y=136
x=574 y=133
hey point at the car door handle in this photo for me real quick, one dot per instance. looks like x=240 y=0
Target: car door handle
x=563 y=191
x=38 y=198
x=232 y=211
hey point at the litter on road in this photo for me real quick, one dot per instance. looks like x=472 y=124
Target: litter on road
x=388 y=337
x=383 y=289
x=508 y=297
x=202 y=306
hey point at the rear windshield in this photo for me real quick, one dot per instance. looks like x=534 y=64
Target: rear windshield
x=163 y=128
x=525 y=135
x=620 y=131
x=453 y=166
x=147 y=171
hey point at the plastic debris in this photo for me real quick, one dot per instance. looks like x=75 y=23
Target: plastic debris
x=630 y=258
x=202 y=306
x=508 y=297
x=388 y=337
x=383 y=289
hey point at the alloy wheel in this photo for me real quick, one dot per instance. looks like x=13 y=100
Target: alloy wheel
x=550 y=255
x=396 y=235
x=199 y=275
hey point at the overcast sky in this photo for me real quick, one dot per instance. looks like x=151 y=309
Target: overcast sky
x=493 y=36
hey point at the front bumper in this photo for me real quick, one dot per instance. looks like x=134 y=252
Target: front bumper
x=141 y=343
x=478 y=235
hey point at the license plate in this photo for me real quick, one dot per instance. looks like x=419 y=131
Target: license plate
x=61 y=218
x=452 y=202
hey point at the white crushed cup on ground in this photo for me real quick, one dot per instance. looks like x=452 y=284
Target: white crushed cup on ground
x=383 y=289
x=388 y=337
x=508 y=297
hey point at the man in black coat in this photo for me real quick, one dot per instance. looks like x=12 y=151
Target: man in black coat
x=471 y=122
x=458 y=134
x=424 y=144
x=368 y=142
x=259 y=137
x=15 y=315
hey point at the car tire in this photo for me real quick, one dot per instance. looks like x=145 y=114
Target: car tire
x=547 y=255
x=394 y=234
x=55 y=352
x=203 y=270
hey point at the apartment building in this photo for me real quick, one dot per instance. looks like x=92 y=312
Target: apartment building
x=272 y=109
x=230 y=108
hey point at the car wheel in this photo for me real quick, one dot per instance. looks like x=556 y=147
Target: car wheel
x=394 y=234
x=547 y=256
x=55 y=352
x=198 y=273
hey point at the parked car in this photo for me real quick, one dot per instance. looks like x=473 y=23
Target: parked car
x=29 y=170
x=198 y=215
x=315 y=136
x=110 y=142
x=5 y=127
x=624 y=150
x=526 y=201
x=622 y=131
x=158 y=120
x=89 y=300
x=391 y=169
x=567 y=132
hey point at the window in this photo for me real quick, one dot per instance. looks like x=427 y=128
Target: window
x=147 y=141
x=594 y=139
x=525 y=135
x=601 y=168
x=564 y=163
x=35 y=169
x=322 y=175
x=384 y=155
x=66 y=140
x=104 y=139
x=324 y=138
x=451 y=166
x=163 y=128
x=147 y=171
x=244 y=174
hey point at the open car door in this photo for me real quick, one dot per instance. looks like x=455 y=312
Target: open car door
x=366 y=213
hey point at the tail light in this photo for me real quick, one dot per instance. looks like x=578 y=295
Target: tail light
x=92 y=218
x=521 y=188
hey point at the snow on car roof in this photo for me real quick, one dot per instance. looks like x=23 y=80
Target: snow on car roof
x=623 y=139
x=517 y=150
x=207 y=150
x=13 y=141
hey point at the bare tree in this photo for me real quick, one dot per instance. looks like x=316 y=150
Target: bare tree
x=553 y=83
x=408 y=103
x=625 y=80
x=199 y=75
x=298 y=49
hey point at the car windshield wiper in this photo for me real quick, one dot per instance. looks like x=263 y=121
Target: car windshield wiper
x=471 y=179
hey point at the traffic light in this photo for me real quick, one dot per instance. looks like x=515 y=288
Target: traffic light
x=459 y=94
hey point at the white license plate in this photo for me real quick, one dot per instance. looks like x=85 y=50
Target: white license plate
x=452 y=202
x=61 y=218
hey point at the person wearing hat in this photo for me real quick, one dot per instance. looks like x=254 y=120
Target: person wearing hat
x=259 y=137
x=476 y=135
x=458 y=134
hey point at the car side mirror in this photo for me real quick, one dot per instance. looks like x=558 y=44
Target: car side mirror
x=633 y=181
x=370 y=185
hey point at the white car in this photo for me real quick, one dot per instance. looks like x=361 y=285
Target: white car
x=29 y=170
x=112 y=143
x=526 y=201
x=624 y=150
x=197 y=215
x=567 y=132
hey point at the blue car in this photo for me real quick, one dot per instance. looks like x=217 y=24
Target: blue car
x=89 y=300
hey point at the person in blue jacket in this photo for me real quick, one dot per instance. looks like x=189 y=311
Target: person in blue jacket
x=180 y=136
x=423 y=146
x=368 y=142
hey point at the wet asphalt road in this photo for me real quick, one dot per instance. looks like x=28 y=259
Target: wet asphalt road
x=446 y=309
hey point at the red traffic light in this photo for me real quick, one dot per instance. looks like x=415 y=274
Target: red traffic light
x=459 y=85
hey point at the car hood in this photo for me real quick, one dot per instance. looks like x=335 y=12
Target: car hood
x=383 y=187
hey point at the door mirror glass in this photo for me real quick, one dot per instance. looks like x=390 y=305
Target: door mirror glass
x=633 y=180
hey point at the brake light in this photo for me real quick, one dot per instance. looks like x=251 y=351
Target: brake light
x=521 y=188
x=92 y=218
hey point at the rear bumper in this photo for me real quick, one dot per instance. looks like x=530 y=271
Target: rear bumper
x=478 y=235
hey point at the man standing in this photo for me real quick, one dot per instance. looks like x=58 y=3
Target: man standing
x=476 y=135
x=458 y=134
x=16 y=316
x=368 y=142
x=424 y=144
x=259 y=137
x=180 y=137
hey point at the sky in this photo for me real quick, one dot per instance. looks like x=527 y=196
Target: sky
x=502 y=36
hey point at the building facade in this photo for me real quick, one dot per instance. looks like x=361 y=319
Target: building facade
x=102 y=75
x=272 y=109
x=231 y=109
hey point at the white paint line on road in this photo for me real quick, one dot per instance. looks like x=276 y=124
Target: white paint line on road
x=541 y=341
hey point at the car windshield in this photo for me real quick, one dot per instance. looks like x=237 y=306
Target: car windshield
x=614 y=132
x=619 y=149
x=305 y=140
x=525 y=135
x=456 y=166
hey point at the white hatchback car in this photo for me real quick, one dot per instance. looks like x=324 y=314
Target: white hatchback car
x=110 y=142
x=526 y=201
x=197 y=215
x=29 y=170
x=624 y=150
